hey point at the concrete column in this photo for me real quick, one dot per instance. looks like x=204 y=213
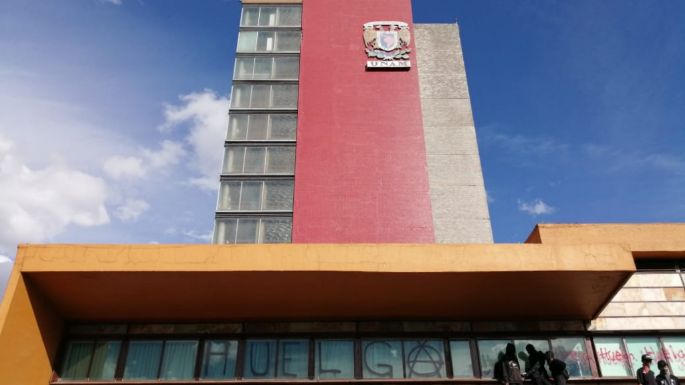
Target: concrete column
x=457 y=190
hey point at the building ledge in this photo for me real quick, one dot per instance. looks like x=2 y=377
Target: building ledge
x=646 y=240
x=326 y=282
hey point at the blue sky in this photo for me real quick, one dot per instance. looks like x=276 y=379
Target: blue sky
x=112 y=113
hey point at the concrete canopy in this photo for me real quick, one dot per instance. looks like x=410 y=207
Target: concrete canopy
x=325 y=282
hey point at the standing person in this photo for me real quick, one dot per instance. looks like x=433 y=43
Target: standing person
x=557 y=368
x=507 y=369
x=645 y=376
x=665 y=377
x=537 y=371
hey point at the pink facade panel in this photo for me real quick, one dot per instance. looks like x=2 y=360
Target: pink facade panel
x=361 y=163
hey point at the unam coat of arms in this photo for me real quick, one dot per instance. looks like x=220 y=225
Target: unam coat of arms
x=387 y=40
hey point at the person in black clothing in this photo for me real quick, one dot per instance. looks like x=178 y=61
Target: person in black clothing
x=507 y=369
x=557 y=368
x=536 y=372
x=645 y=376
x=665 y=377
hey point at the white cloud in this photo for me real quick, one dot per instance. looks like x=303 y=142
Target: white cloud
x=37 y=204
x=124 y=167
x=193 y=234
x=535 y=207
x=5 y=269
x=206 y=114
x=131 y=210
x=120 y=167
x=169 y=155
x=114 y=2
x=70 y=131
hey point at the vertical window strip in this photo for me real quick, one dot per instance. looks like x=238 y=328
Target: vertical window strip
x=276 y=97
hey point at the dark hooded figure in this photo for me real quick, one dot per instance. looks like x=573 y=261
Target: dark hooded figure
x=507 y=369
x=665 y=377
x=557 y=368
x=537 y=372
x=645 y=376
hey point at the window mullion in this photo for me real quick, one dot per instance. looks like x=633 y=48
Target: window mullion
x=161 y=360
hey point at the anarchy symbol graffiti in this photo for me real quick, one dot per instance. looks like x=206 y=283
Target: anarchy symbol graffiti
x=424 y=361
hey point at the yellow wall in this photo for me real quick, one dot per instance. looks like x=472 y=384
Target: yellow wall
x=647 y=240
x=30 y=332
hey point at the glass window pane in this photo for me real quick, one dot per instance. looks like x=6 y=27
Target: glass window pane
x=572 y=351
x=250 y=16
x=225 y=230
x=178 y=362
x=142 y=360
x=234 y=159
x=278 y=195
x=247 y=230
x=334 y=359
x=265 y=42
x=267 y=17
x=424 y=359
x=286 y=68
x=637 y=346
x=382 y=359
x=281 y=160
x=288 y=41
x=285 y=96
x=293 y=358
x=105 y=360
x=613 y=360
x=258 y=127
x=490 y=352
x=241 y=96
x=522 y=354
x=289 y=16
x=261 y=96
x=220 y=359
x=260 y=359
x=461 y=359
x=283 y=127
x=238 y=127
x=276 y=230
x=247 y=41
x=229 y=196
x=251 y=196
x=254 y=160
x=674 y=350
x=244 y=67
x=77 y=360
x=262 y=68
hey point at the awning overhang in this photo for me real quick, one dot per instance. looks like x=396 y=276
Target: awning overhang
x=325 y=282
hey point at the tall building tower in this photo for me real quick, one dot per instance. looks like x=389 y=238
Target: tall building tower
x=352 y=151
x=255 y=202
x=384 y=153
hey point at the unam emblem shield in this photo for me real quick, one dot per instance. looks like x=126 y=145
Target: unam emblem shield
x=388 y=43
x=387 y=40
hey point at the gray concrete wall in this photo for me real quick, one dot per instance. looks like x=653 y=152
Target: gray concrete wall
x=648 y=301
x=458 y=198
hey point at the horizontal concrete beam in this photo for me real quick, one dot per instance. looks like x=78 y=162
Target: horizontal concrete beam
x=645 y=240
x=382 y=258
x=325 y=282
